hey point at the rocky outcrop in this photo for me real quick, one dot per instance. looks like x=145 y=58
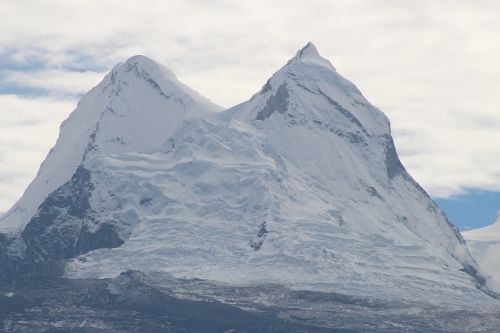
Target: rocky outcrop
x=59 y=230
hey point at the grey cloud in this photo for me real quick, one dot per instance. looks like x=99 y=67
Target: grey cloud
x=53 y=82
x=27 y=131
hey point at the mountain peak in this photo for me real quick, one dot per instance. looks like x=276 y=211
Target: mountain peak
x=307 y=77
x=309 y=55
x=145 y=67
x=136 y=107
x=141 y=59
x=308 y=50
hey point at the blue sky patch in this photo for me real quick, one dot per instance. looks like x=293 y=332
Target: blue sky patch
x=473 y=210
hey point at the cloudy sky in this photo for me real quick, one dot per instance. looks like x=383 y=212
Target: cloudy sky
x=431 y=65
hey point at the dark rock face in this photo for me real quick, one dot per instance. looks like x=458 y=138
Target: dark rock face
x=257 y=242
x=474 y=273
x=14 y=265
x=105 y=237
x=392 y=162
x=267 y=87
x=7 y=265
x=344 y=112
x=52 y=232
x=58 y=231
x=278 y=102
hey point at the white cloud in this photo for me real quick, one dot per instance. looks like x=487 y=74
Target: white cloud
x=28 y=129
x=430 y=65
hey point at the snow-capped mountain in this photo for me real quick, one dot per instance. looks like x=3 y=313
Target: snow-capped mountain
x=484 y=244
x=301 y=185
x=136 y=107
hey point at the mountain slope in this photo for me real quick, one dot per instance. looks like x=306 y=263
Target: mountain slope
x=137 y=106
